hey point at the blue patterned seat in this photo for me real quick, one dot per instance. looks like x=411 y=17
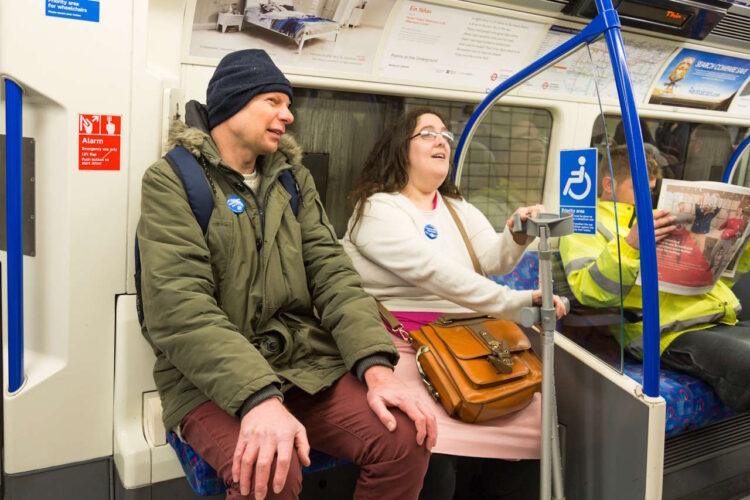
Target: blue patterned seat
x=691 y=403
x=205 y=481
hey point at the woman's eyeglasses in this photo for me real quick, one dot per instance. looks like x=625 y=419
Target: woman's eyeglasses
x=431 y=135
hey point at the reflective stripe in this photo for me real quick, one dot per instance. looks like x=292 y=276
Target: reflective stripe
x=605 y=232
x=635 y=347
x=607 y=284
x=579 y=263
x=680 y=325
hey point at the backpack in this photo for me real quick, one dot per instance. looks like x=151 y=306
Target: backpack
x=201 y=201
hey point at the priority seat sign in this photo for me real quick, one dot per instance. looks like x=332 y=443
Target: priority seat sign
x=99 y=142
x=578 y=188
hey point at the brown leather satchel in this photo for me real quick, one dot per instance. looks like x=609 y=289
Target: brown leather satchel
x=477 y=367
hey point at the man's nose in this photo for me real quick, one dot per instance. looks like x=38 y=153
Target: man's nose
x=286 y=116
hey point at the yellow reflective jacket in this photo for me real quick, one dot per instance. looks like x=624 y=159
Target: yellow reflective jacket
x=591 y=266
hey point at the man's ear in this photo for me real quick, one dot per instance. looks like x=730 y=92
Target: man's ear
x=607 y=188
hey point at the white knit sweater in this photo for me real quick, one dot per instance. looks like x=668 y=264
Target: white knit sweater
x=406 y=269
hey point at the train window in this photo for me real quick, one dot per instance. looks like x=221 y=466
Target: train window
x=340 y=127
x=506 y=159
x=684 y=150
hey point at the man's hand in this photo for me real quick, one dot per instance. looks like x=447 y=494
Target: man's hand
x=525 y=212
x=663 y=226
x=266 y=431
x=536 y=299
x=384 y=390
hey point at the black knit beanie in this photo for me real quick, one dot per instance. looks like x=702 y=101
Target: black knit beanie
x=239 y=77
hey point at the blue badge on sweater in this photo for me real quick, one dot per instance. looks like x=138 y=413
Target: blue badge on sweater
x=430 y=231
x=236 y=204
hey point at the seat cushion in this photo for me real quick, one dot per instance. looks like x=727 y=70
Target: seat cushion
x=205 y=481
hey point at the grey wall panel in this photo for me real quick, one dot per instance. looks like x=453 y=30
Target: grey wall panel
x=176 y=489
x=83 y=481
x=605 y=434
x=332 y=484
x=717 y=478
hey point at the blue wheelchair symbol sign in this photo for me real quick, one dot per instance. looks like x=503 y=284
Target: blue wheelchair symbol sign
x=578 y=177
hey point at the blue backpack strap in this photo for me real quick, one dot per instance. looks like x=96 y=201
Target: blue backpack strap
x=196 y=185
x=199 y=196
x=290 y=184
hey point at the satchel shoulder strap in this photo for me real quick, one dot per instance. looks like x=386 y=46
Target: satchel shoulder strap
x=394 y=324
x=467 y=241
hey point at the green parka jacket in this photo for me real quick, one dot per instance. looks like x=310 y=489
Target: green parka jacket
x=216 y=306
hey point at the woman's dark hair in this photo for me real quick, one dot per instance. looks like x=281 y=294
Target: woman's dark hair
x=386 y=166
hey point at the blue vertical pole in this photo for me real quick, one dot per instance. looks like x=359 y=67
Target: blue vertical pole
x=642 y=191
x=14 y=214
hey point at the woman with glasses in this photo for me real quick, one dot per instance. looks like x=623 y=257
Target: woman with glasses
x=408 y=249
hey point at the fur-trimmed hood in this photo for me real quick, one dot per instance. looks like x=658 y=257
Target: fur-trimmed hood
x=193 y=133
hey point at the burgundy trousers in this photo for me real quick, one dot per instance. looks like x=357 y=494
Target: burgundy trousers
x=339 y=422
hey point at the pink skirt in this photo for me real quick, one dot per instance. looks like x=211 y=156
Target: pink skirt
x=512 y=437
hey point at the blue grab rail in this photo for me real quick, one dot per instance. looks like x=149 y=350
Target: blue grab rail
x=729 y=170
x=14 y=224
x=607 y=23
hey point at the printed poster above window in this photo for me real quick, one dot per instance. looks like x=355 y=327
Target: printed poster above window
x=314 y=36
x=696 y=79
x=575 y=75
x=447 y=46
x=404 y=41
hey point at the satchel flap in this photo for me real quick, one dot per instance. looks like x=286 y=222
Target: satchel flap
x=462 y=342
x=508 y=331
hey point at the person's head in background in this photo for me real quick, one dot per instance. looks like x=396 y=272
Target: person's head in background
x=619 y=136
x=708 y=152
x=618 y=186
x=413 y=153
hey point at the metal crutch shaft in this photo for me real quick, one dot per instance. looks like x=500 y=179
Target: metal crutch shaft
x=545 y=226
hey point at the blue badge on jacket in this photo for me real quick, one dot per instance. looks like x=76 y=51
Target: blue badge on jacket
x=430 y=231
x=236 y=204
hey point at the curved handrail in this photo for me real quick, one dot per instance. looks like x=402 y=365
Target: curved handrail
x=608 y=24
x=14 y=225
x=729 y=170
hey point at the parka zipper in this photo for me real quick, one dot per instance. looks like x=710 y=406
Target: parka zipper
x=242 y=188
x=261 y=210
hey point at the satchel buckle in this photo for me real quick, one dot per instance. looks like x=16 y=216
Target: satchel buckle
x=502 y=365
x=430 y=388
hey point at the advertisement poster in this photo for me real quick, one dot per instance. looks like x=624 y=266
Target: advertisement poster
x=436 y=45
x=316 y=35
x=712 y=222
x=695 y=79
x=574 y=75
x=741 y=103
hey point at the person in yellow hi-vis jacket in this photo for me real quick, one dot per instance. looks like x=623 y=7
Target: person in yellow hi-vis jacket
x=703 y=335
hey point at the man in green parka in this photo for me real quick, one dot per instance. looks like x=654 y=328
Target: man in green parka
x=263 y=335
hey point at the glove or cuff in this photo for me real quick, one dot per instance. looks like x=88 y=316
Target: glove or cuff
x=365 y=364
x=267 y=392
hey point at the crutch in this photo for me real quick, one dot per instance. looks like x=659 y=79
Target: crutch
x=545 y=226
